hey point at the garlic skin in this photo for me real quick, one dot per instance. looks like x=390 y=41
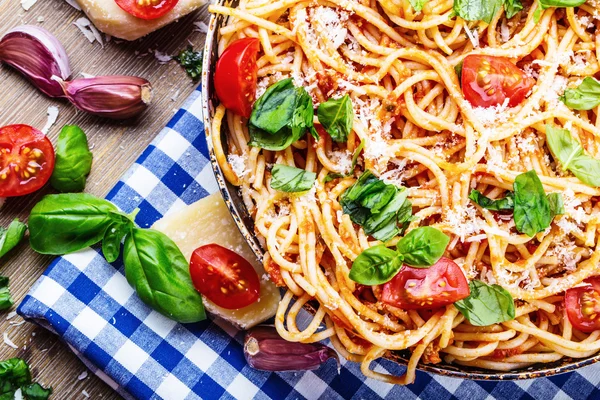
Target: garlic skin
x=115 y=97
x=38 y=55
x=265 y=350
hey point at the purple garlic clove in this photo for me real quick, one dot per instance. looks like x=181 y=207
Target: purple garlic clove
x=38 y=55
x=115 y=97
x=265 y=350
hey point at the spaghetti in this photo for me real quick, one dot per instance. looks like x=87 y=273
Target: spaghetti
x=419 y=132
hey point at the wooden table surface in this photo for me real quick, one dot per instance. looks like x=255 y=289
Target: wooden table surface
x=115 y=146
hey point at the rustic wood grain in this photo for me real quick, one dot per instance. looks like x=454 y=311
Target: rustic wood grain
x=115 y=148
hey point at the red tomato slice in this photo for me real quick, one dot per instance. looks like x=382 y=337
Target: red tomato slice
x=26 y=160
x=235 y=76
x=224 y=277
x=147 y=9
x=583 y=305
x=487 y=81
x=426 y=288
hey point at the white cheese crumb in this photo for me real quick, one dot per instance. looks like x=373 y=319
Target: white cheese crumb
x=82 y=376
x=52 y=116
x=162 y=57
x=85 y=393
x=9 y=342
x=27 y=4
x=343 y=159
x=473 y=36
x=73 y=4
x=40 y=19
x=333 y=24
x=238 y=164
x=89 y=31
x=11 y=315
x=201 y=27
x=85 y=75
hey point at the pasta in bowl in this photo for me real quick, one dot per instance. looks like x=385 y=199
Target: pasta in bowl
x=426 y=179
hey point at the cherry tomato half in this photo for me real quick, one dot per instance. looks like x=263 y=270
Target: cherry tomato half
x=583 y=305
x=26 y=160
x=426 y=288
x=235 y=76
x=487 y=81
x=224 y=277
x=147 y=9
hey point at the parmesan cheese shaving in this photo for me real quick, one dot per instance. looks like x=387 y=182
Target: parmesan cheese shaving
x=27 y=4
x=52 y=117
x=9 y=342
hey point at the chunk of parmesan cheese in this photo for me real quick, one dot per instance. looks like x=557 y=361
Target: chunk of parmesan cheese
x=209 y=221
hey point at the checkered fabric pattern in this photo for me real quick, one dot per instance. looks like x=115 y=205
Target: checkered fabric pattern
x=143 y=355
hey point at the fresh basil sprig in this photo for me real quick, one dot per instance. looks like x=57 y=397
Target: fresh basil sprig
x=11 y=236
x=73 y=160
x=477 y=10
x=154 y=266
x=291 y=179
x=532 y=208
x=15 y=375
x=571 y=155
x=6 y=300
x=420 y=248
x=157 y=269
x=281 y=116
x=486 y=304
x=504 y=204
x=584 y=97
x=337 y=117
x=378 y=207
x=418 y=4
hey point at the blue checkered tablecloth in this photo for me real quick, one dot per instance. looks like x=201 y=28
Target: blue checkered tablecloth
x=143 y=355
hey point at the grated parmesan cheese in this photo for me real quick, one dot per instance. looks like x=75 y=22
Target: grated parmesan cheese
x=332 y=22
x=27 y=4
x=89 y=31
x=238 y=164
x=9 y=342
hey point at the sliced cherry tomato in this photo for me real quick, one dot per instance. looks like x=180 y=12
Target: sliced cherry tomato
x=147 y=9
x=487 y=81
x=26 y=160
x=224 y=277
x=426 y=288
x=235 y=76
x=583 y=305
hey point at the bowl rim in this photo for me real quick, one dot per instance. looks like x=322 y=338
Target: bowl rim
x=241 y=217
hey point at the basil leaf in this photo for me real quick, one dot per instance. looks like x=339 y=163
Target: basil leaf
x=6 y=300
x=423 y=247
x=191 y=61
x=11 y=236
x=560 y=3
x=512 y=7
x=503 y=204
x=14 y=373
x=35 y=391
x=302 y=118
x=486 y=304
x=477 y=10
x=116 y=231
x=158 y=271
x=556 y=204
x=279 y=141
x=356 y=154
x=584 y=97
x=532 y=208
x=73 y=160
x=337 y=117
x=571 y=155
x=458 y=69
x=290 y=179
x=376 y=265
x=537 y=14
x=331 y=177
x=418 y=4
x=376 y=206
x=64 y=223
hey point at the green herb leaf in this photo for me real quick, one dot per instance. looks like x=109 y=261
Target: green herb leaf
x=281 y=116
x=337 y=117
x=290 y=179
x=560 y=3
x=73 y=160
x=418 y=4
x=584 y=97
x=458 y=69
x=116 y=231
x=512 y=7
x=532 y=208
x=571 y=155
x=14 y=373
x=191 y=61
x=159 y=272
x=477 y=10
x=537 y=14
x=486 y=304
x=11 y=236
x=376 y=265
x=35 y=391
x=331 y=176
x=556 y=204
x=423 y=247
x=376 y=206
x=503 y=204
x=6 y=300
x=65 y=223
